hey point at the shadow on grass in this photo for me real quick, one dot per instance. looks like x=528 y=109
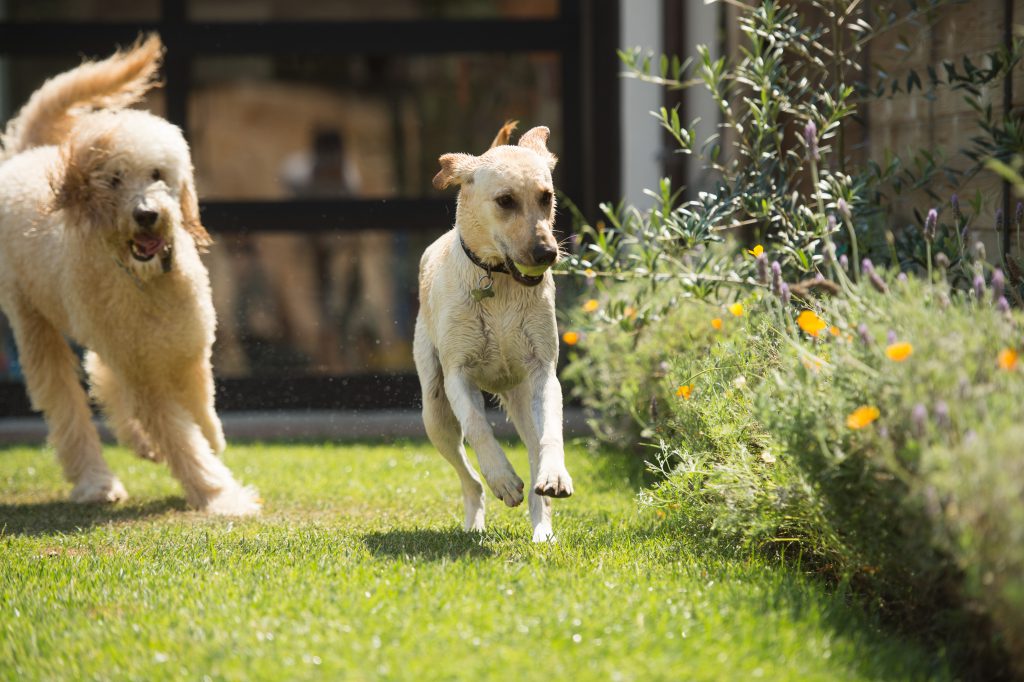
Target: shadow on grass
x=430 y=544
x=69 y=517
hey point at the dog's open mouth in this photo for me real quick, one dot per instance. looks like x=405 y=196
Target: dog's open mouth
x=522 y=277
x=147 y=245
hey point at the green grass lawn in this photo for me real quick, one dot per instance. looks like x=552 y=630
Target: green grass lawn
x=359 y=569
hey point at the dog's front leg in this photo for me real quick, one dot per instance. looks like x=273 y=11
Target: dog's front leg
x=468 y=405
x=535 y=407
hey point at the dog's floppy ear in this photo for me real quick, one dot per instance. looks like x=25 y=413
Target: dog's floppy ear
x=456 y=169
x=78 y=183
x=536 y=139
x=504 y=134
x=190 y=215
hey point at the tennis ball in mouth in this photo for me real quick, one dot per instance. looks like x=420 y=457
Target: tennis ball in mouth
x=532 y=270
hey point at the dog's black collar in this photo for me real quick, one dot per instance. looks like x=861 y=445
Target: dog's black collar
x=500 y=267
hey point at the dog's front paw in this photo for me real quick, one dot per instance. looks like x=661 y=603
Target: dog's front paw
x=507 y=486
x=98 y=488
x=234 y=501
x=543 y=533
x=554 y=483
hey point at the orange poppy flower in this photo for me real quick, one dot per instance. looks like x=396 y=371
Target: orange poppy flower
x=899 y=351
x=1007 y=359
x=862 y=416
x=756 y=251
x=629 y=311
x=717 y=324
x=571 y=338
x=684 y=391
x=811 y=323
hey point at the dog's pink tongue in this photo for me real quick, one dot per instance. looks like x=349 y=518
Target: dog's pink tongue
x=149 y=244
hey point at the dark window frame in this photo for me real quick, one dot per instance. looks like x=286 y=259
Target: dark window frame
x=584 y=35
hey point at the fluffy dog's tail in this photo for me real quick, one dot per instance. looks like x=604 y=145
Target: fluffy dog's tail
x=113 y=83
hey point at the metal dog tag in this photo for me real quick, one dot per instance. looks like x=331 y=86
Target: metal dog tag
x=484 y=289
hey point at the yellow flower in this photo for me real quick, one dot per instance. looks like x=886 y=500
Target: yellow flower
x=1007 y=359
x=629 y=311
x=684 y=391
x=571 y=338
x=862 y=416
x=756 y=251
x=811 y=323
x=900 y=351
x=834 y=330
x=589 y=273
x=736 y=309
x=717 y=324
x=591 y=305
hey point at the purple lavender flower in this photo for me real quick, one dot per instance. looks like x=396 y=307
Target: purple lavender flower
x=776 y=277
x=890 y=337
x=979 y=287
x=811 y=140
x=1002 y=305
x=843 y=208
x=955 y=201
x=762 y=269
x=919 y=419
x=998 y=284
x=942 y=414
x=929 y=225
x=867 y=266
x=784 y=293
x=831 y=220
x=844 y=263
x=864 y=333
x=901 y=278
x=819 y=278
x=1018 y=218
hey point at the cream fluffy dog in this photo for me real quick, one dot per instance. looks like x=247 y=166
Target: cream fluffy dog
x=99 y=241
x=487 y=321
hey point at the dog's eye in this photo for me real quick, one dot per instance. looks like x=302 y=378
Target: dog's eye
x=506 y=201
x=545 y=198
x=115 y=181
x=157 y=175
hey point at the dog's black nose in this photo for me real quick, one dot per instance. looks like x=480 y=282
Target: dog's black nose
x=544 y=254
x=145 y=217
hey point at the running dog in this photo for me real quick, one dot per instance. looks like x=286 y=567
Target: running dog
x=487 y=321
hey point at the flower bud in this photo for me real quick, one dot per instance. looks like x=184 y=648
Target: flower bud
x=979 y=287
x=1002 y=305
x=776 y=277
x=864 y=333
x=844 y=263
x=867 y=266
x=890 y=337
x=784 y=294
x=811 y=140
x=942 y=414
x=930 y=224
x=955 y=202
x=942 y=260
x=919 y=419
x=762 y=269
x=998 y=284
x=978 y=250
x=843 y=208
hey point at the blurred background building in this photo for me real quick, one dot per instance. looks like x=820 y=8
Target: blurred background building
x=316 y=126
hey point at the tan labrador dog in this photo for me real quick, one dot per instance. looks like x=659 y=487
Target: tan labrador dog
x=487 y=321
x=99 y=241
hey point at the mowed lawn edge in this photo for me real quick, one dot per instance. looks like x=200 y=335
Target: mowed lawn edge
x=358 y=569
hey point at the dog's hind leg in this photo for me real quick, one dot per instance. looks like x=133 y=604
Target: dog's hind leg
x=197 y=384
x=51 y=376
x=116 y=401
x=208 y=483
x=445 y=433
